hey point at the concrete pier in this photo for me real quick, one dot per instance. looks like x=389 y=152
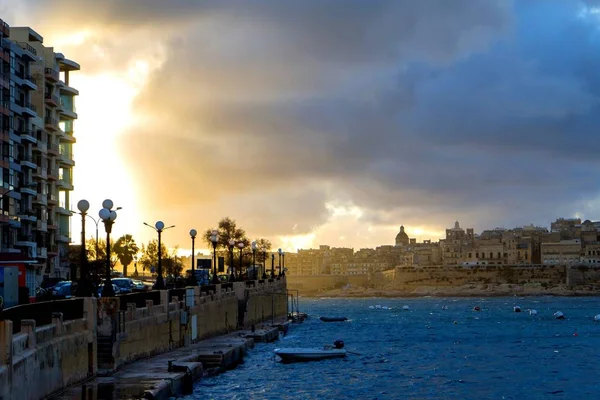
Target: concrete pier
x=153 y=379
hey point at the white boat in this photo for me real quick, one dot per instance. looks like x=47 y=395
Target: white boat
x=309 y=354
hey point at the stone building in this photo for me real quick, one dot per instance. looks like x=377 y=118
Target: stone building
x=402 y=238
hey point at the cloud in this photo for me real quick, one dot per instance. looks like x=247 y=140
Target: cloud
x=413 y=112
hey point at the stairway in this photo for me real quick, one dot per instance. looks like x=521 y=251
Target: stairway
x=105 y=358
x=210 y=361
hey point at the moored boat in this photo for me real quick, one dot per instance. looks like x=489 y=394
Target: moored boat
x=312 y=354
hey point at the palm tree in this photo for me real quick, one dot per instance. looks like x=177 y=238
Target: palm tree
x=125 y=248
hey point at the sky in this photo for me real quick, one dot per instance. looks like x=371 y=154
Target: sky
x=330 y=121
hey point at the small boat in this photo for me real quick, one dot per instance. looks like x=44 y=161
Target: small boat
x=597 y=318
x=333 y=319
x=532 y=312
x=559 y=315
x=517 y=309
x=312 y=354
x=406 y=308
x=476 y=308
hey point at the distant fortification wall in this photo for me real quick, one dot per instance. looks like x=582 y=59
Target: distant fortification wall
x=489 y=274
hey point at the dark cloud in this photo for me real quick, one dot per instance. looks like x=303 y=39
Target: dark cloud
x=419 y=112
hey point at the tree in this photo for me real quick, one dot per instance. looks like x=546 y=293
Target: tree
x=172 y=263
x=149 y=256
x=125 y=248
x=264 y=247
x=227 y=229
x=90 y=246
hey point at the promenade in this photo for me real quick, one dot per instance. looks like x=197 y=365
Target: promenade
x=172 y=374
x=124 y=344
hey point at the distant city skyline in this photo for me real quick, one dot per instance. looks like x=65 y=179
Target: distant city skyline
x=311 y=122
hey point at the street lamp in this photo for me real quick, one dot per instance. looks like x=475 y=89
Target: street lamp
x=159 y=227
x=280 y=253
x=231 y=246
x=272 y=266
x=264 y=275
x=241 y=247
x=193 y=280
x=108 y=216
x=214 y=239
x=254 y=272
x=83 y=288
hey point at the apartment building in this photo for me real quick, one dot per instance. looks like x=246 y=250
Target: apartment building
x=37 y=114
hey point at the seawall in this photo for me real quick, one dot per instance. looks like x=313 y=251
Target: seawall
x=98 y=336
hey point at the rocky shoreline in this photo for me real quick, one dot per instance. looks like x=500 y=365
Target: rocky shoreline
x=474 y=290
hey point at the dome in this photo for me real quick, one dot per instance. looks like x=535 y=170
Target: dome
x=402 y=237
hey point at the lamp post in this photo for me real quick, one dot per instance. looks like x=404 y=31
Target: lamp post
x=214 y=239
x=240 y=245
x=264 y=275
x=272 y=266
x=159 y=227
x=254 y=272
x=83 y=288
x=193 y=280
x=280 y=253
x=108 y=216
x=231 y=245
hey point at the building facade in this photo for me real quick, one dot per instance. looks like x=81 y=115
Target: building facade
x=37 y=112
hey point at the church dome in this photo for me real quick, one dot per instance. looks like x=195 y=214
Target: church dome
x=402 y=238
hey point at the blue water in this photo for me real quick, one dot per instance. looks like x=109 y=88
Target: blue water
x=423 y=354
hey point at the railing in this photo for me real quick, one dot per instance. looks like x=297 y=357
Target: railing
x=50 y=121
x=51 y=72
x=42 y=312
x=225 y=286
x=139 y=299
x=31 y=79
x=27 y=46
x=30 y=106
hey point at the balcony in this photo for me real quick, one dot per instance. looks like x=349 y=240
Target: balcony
x=42 y=226
x=51 y=99
x=29 y=51
x=65 y=184
x=29 y=109
x=28 y=135
x=41 y=198
x=51 y=74
x=30 y=82
x=53 y=174
x=53 y=149
x=27 y=161
x=27 y=215
x=4 y=28
x=52 y=201
x=41 y=147
x=28 y=190
x=25 y=241
x=67 y=159
x=63 y=239
x=68 y=137
x=51 y=123
x=42 y=252
x=63 y=211
x=41 y=173
x=52 y=224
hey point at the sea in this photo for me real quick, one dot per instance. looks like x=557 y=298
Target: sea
x=440 y=348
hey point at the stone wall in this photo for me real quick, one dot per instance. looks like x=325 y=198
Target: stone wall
x=152 y=330
x=40 y=360
x=583 y=275
x=490 y=274
x=315 y=283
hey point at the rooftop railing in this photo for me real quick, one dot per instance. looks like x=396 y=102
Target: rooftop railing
x=27 y=46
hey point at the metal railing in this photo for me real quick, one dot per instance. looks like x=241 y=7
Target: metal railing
x=27 y=46
x=51 y=72
x=41 y=312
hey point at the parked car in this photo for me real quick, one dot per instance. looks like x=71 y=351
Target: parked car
x=125 y=285
x=101 y=287
x=65 y=290
x=139 y=286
